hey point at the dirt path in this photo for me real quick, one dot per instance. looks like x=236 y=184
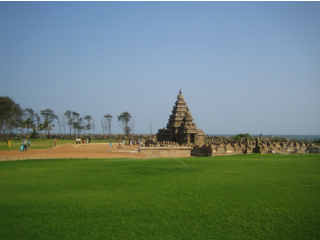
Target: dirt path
x=92 y=150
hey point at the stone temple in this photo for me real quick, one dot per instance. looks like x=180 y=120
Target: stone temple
x=181 y=128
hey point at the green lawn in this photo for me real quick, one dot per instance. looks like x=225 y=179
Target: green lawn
x=227 y=197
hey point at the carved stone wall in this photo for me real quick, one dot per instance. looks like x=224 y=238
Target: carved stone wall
x=166 y=152
x=247 y=147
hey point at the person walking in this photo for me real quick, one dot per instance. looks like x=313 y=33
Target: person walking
x=25 y=145
x=111 y=144
x=9 y=143
x=55 y=142
x=29 y=145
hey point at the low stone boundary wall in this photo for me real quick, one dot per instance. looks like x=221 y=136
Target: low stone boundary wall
x=247 y=147
x=166 y=152
x=313 y=149
x=227 y=148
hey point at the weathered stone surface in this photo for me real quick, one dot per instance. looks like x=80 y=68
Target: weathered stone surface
x=313 y=149
x=180 y=128
x=263 y=147
x=165 y=152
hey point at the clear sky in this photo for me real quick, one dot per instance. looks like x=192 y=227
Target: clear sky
x=242 y=66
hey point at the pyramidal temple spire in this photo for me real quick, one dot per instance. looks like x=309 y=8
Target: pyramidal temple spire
x=180 y=127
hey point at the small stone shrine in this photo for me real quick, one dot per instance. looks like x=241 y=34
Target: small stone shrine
x=181 y=128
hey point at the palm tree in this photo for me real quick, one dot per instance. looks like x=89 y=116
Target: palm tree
x=49 y=117
x=29 y=123
x=47 y=127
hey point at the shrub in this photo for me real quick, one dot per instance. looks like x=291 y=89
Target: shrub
x=242 y=135
x=278 y=139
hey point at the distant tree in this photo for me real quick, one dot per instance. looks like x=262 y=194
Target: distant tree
x=80 y=126
x=109 y=119
x=44 y=126
x=38 y=121
x=75 y=122
x=88 y=125
x=22 y=126
x=105 y=125
x=14 y=125
x=41 y=127
x=63 y=123
x=35 y=126
x=124 y=119
x=102 y=125
x=49 y=117
x=29 y=116
x=10 y=116
x=132 y=124
x=93 y=125
x=68 y=115
x=59 y=125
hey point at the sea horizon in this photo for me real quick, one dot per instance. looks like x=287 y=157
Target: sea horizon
x=291 y=136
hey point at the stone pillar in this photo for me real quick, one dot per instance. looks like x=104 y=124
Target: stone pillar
x=247 y=142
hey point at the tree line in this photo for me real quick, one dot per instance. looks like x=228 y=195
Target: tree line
x=14 y=120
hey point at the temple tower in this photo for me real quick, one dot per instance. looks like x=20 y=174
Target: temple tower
x=180 y=127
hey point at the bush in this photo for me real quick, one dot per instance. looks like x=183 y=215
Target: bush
x=278 y=139
x=242 y=135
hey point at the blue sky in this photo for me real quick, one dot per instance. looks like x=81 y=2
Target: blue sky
x=242 y=66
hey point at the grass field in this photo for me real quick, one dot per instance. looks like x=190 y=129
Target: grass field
x=227 y=197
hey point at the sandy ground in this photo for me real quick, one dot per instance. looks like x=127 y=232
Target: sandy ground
x=92 y=150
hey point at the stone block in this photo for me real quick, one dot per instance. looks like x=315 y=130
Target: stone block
x=165 y=152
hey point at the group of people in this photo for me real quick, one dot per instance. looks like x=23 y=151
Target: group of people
x=24 y=145
x=137 y=142
x=78 y=140
x=122 y=142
